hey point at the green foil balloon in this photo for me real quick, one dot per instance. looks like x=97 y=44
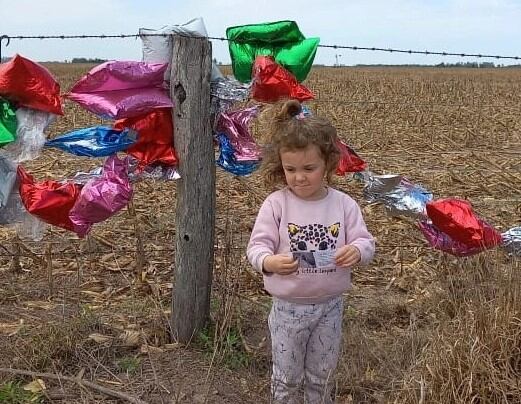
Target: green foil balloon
x=282 y=40
x=8 y=123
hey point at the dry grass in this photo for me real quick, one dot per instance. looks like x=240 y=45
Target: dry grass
x=419 y=326
x=474 y=355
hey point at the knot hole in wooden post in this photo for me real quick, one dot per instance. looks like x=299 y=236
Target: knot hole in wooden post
x=180 y=93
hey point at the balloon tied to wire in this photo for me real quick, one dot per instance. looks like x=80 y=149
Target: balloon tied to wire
x=8 y=40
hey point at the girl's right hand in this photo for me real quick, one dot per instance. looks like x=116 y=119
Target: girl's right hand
x=279 y=264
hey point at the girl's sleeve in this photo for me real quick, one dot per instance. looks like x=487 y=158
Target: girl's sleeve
x=264 y=239
x=357 y=233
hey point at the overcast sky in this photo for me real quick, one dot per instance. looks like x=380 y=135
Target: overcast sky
x=469 y=26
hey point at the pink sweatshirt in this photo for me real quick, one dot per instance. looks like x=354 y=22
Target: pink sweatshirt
x=287 y=224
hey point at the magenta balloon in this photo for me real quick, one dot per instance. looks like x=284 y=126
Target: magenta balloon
x=235 y=125
x=120 y=75
x=121 y=89
x=123 y=103
x=102 y=197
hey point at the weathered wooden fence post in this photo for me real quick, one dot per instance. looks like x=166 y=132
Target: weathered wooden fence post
x=195 y=209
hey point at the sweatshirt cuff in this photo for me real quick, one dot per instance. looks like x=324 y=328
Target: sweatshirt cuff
x=366 y=252
x=260 y=261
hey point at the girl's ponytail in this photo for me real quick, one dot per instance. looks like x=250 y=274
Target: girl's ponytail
x=277 y=118
x=290 y=109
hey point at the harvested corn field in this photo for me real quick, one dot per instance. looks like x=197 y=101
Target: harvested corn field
x=420 y=325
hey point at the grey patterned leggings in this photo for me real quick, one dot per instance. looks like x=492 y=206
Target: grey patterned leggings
x=305 y=340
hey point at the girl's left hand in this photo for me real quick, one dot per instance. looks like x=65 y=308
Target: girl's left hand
x=347 y=256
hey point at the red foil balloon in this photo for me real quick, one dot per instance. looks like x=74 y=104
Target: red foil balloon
x=456 y=218
x=50 y=201
x=271 y=82
x=30 y=85
x=350 y=162
x=155 y=138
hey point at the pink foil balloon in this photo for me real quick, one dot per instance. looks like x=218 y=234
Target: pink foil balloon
x=235 y=125
x=121 y=89
x=102 y=197
x=443 y=242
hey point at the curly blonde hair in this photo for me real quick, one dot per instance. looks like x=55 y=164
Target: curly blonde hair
x=285 y=128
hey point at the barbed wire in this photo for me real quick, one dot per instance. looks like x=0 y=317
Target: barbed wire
x=346 y=47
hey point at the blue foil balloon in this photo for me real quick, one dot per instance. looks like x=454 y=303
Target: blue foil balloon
x=227 y=159
x=96 y=141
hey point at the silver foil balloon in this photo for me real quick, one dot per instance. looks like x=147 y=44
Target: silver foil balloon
x=30 y=137
x=82 y=177
x=407 y=199
x=13 y=213
x=155 y=172
x=378 y=185
x=229 y=89
x=400 y=196
x=7 y=179
x=511 y=241
x=225 y=92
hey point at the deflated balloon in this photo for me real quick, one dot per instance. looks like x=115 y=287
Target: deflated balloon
x=511 y=241
x=400 y=196
x=235 y=124
x=154 y=144
x=443 y=242
x=272 y=82
x=456 y=218
x=96 y=141
x=157 y=43
x=228 y=161
x=29 y=84
x=121 y=89
x=350 y=162
x=102 y=197
x=8 y=122
x=50 y=201
x=282 y=40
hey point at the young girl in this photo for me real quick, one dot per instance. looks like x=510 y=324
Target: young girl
x=306 y=238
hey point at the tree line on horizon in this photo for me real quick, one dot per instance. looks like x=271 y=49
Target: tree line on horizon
x=468 y=65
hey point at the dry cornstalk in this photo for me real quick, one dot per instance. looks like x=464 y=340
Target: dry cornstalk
x=80 y=382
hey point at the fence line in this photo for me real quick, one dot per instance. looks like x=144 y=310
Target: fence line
x=348 y=47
